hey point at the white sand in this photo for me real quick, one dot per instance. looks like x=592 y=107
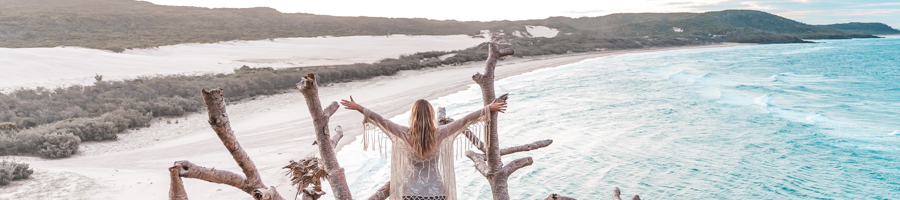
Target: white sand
x=62 y=66
x=271 y=129
x=541 y=31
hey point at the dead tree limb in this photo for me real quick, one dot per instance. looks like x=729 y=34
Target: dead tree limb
x=250 y=182
x=496 y=173
x=308 y=171
x=176 y=187
x=480 y=164
x=443 y=119
x=558 y=197
x=382 y=192
x=312 y=193
x=336 y=178
x=474 y=140
x=516 y=164
x=617 y=192
x=218 y=120
x=339 y=133
x=527 y=147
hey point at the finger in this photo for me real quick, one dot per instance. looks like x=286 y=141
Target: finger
x=351 y=98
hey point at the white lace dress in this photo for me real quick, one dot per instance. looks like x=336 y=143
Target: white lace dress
x=430 y=178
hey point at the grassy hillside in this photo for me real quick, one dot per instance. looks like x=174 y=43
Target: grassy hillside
x=117 y=25
x=867 y=28
x=731 y=25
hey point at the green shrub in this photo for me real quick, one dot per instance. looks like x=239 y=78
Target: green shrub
x=45 y=141
x=59 y=145
x=8 y=126
x=11 y=171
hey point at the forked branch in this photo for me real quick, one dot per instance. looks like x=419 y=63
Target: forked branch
x=190 y=170
x=336 y=179
x=250 y=182
x=516 y=164
x=218 y=120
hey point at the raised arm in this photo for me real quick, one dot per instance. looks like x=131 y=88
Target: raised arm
x=461 y=123
x=391 y=127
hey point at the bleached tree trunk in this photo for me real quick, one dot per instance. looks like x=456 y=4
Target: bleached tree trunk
x=382 y=192
x=490 y=164
x=250 y=182
x=336 y=179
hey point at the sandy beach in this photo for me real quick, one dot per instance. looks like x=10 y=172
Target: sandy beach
x=272 y=129
x=64 y=66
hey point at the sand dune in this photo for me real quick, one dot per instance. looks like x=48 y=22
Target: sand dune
x=61 y=66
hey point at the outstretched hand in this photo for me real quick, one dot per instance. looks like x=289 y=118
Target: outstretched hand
x=498 y=106
x=351 y=105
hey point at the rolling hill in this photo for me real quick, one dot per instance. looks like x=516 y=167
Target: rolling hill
x=117 y=25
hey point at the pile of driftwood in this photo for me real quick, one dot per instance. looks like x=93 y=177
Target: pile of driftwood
x=306 y=174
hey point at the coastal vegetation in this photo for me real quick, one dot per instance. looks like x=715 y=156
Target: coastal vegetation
x=867 y=28
x=52 y=122
x=118 y=25
x=12 y=171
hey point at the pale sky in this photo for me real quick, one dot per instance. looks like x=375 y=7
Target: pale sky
x=807 y=11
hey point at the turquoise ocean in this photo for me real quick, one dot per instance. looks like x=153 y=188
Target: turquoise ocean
x=785 y=121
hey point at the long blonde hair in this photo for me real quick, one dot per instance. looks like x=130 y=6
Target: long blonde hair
x=422 y=130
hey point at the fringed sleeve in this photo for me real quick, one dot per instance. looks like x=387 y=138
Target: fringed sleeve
x=475 y=122
x=377 y=127
x=452 y=142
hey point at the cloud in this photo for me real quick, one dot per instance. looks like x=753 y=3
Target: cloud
x=865 y=12
x=584 y=12
x=799 y=14
x=678 y=3
x=801 y=1
x=754 y=5
x=878 y=5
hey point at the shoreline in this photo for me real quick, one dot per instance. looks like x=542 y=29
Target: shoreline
x=269 y=129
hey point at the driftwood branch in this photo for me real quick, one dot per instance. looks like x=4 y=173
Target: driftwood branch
x=382 y=192
x=190 y=170
x=312 y=193
x=478 y=159
x=617 y=192
x=176 y=188
x=558 y=197
x=336 y=178
x=516 y=164
x=331 y=109
x=338 y=134
x=474 y=140
x=527 y=147
x=495 y=172
x=218 y=120
x=443 y=119
x=442 y=116
x=250 y=182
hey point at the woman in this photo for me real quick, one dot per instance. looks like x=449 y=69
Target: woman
x=422 y=154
